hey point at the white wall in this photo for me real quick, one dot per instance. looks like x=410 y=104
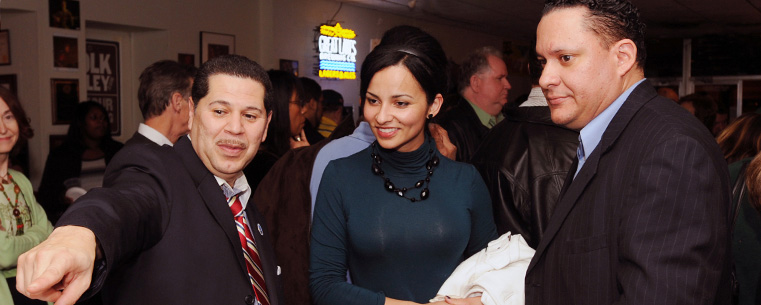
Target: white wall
x=295 y=21
x=151 y=30
x=147 y=31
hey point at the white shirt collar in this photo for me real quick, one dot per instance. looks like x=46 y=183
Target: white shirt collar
x=153 y=135
x=241 y=187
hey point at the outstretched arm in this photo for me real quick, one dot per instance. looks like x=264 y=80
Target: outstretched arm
x=60 y=268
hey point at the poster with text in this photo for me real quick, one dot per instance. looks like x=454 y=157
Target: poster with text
x=103 y=79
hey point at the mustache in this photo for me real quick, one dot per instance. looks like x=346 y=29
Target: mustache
x=233 y=142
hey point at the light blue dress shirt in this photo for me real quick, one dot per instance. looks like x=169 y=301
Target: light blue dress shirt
x=591 y=134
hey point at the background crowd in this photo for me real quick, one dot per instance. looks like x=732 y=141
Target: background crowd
x=382 y=209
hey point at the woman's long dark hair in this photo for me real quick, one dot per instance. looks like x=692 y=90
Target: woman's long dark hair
x=279 y=130
x=75 y=137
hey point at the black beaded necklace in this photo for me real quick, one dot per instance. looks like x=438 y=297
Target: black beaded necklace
x=433 y=162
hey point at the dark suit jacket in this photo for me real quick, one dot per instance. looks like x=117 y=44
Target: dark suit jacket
x=645 y=221
x=524 y=161
x=138 y=138
x=464 y=128
x=166 y=232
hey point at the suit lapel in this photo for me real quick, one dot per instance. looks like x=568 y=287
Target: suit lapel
x=573 y=188
x=211 y=194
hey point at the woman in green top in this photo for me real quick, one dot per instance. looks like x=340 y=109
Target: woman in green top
x=23 y=223
x=398 y=215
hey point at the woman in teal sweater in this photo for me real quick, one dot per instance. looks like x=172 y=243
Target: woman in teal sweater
x=23 y=223
x=398 y=215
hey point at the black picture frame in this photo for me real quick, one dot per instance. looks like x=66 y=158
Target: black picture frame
x=289 y=65
x=64 y=14
x=9 y=81
x=64 y=94
x=5 y=47
x=216 y=44
x=186 y=59
x=65 y=52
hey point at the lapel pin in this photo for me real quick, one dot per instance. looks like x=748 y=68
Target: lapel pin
x=261 y=232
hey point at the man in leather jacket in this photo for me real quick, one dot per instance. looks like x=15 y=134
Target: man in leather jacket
x=524 y=161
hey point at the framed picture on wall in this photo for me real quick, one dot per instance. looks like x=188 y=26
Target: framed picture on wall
x=9 y=81
x=5 y=48
x=65 y=52
x=216 y=44
x=290 y=66
x=104 y=79
x=64 y=98
x=186 y=59
x=64 y=14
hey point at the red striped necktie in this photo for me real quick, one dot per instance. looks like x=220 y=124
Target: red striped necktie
x=253 y=263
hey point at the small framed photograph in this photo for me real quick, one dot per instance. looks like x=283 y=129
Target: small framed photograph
x=9 y=81
x=290 y=66
x=65 y=53
x=216 y=44
x=64 y=99
x=5 y=48
x=64 y=14
x=186 y=59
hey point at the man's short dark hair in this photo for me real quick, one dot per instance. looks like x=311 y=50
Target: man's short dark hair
x=611 y=20
x=705 y=107
x=159 y=81
x=477 y=62
x=232 y=65
x=333 y=100
x=312 y=89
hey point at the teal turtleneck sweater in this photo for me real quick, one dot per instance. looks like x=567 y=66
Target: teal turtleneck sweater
x=391 y=246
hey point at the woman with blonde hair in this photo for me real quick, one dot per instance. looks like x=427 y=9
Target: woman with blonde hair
x=742 y=138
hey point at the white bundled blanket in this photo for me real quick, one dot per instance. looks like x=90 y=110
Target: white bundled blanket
x=496 y=273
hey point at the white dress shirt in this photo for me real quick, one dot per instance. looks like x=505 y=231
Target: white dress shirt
x=153 y=135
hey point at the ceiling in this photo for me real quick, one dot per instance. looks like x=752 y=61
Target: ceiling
x=517 y=19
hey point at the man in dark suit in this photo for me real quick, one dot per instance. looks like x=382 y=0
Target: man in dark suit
x=483 y=92
x=162 y=231
x=163 y=97
x=643 y=214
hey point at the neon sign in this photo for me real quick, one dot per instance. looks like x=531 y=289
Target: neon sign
x=338 y=52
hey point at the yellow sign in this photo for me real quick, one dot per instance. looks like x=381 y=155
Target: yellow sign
x=337 y=31
x=337 y=74
x=337 y=52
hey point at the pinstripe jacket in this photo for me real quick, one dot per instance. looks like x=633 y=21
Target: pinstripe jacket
x=645 y=221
